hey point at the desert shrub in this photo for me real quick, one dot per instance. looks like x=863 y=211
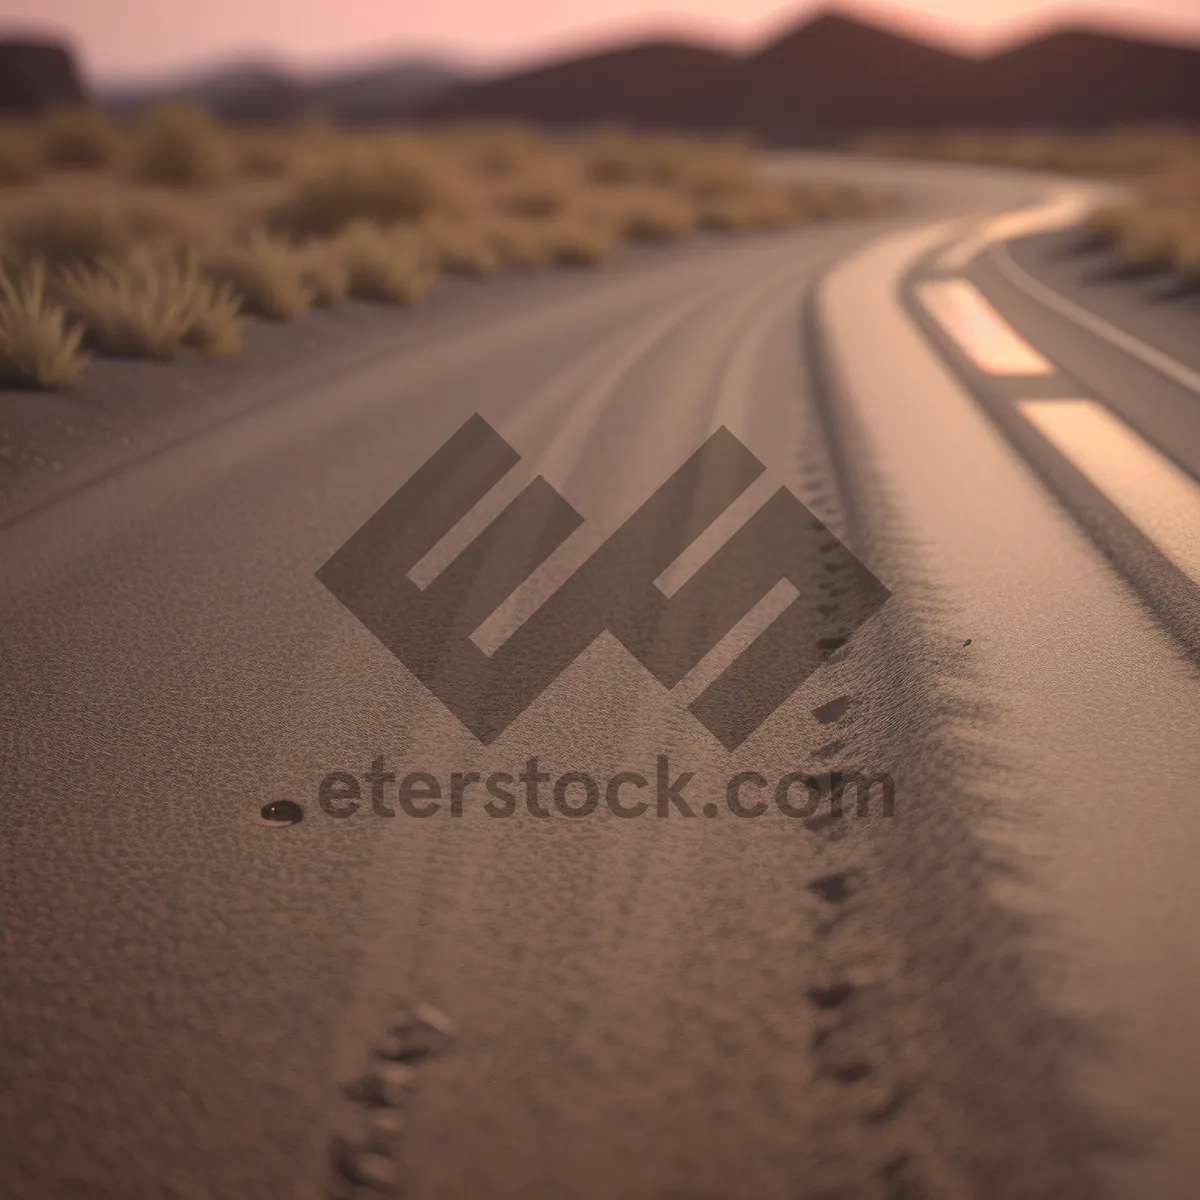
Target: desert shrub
x=646 y=213
x=459 y=247
x=38 y=348
x=83 y=231
x=1108 y=221
x=578 y=243
x=696 y=168
x=819 y=199
x=391 y=265
x=324 y=272
x=517 y=243
x=68 y=232
x=20 y=154
x=80 y=137
x=1150 y=238
x=495 y=150
x=269 y=155
x=1185 y=258
x=266 y=273
x=752 y=208
x=152 y=305
x=181 y=146
x=385 y=185
x=544 y=191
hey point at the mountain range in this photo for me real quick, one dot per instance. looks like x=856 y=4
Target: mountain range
x=829 y=76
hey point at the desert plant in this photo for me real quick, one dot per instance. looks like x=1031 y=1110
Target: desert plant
x=20 y=155
x=324 y=272
x=38 y=348
x=402 y=182
x=495 y=150
x=268 y=155
x=83 y=231
x=80 y=137
x=753 y=208
x=180 y=145
x=1148 y=242
x=517 y=243
x=658 y=216
x=384 y=264
x=459 y=247
x=1109 y=221
x=68 y=232
x=1185 y=258
x=543 y=191
x=577 y=243
x=152 y=305
x=266 y=273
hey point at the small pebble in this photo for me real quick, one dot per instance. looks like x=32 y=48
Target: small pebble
x=372 y=1169
x=391 y=1083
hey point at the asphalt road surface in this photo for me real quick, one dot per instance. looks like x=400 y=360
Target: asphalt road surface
x=990 y=992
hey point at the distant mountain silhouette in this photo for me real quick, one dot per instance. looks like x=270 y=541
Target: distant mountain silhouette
x=668 y=83
x=834 y=75
x=35 y=75
x=262 y=91
x=830 y=76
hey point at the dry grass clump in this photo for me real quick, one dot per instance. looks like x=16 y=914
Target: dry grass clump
x=84 y=231
x=817 y=199
x=389 y=265
x=20 y=154
x=38 y=348
x=80 y=137
x=693 y=166
x=271 y=155
x=152 y=305
x=459 y=247
x=267 y=274
x=68 y=232
x=1186 y=256
x=545 y=191
x=646 y=212
x=324 y=272
x=494 y=150
x=180 y=145
x=403 y=182
x=1151 y=237
x=574 y=242
x=517 y=243
x=1158 y=230
x=758 y=208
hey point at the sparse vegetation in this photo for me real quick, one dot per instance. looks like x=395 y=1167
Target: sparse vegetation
x=38 y=348
x=266 y=273
x=400 y=181
x=182 y=146
x=1157 y=231
x=152 y=304
x=20 y=155
x=187 y=228
x=80 y=137
x=389 y=265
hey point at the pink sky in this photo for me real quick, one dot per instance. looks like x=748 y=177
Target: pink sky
x=152 y=37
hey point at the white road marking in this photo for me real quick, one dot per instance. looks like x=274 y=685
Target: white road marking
x=1152 y=357
x=983 y=335
x=1162 y=500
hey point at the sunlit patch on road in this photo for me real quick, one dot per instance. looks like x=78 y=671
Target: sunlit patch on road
x=979 y=330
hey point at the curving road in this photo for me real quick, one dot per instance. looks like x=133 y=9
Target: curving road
x=987 y=994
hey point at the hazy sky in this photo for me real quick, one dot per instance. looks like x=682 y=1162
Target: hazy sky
x=139 y=37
